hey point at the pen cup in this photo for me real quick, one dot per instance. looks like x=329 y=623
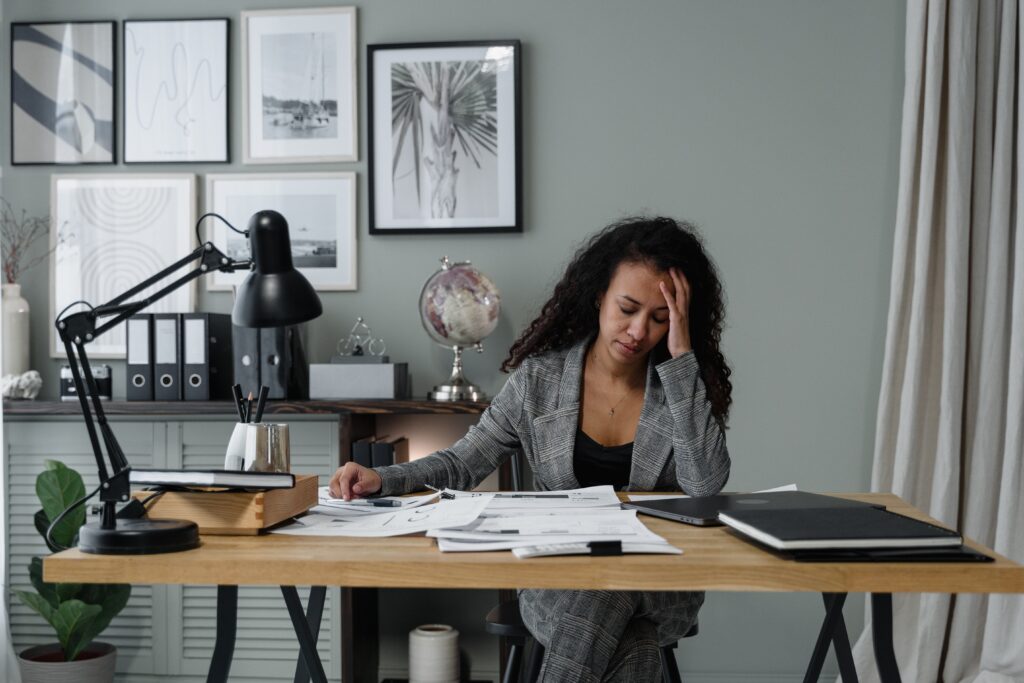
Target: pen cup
x=234 y=456
x=267 y=448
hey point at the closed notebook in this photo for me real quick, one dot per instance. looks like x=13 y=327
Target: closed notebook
x=865 y=527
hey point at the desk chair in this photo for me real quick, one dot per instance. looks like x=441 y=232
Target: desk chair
x=506 y=621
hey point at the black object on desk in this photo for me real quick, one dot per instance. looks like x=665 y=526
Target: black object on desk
x=704 y=511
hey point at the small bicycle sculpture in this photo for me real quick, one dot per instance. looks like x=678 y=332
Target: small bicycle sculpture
x=361 y=342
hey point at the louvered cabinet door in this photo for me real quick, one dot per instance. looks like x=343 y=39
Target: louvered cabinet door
x=265 y=646
x=139 y=637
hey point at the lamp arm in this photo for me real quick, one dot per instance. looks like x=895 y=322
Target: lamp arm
x=78 y=329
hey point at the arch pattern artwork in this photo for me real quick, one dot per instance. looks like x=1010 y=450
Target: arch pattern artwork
x=113 y=232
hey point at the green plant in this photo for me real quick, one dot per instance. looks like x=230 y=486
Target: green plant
x=77 y=612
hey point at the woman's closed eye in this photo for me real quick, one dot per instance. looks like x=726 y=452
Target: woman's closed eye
x=630 y=311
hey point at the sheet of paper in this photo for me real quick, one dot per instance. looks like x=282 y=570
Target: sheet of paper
x=590 y=497
x=667 y=496
x=499 y=533
x=628 y=548
x=395 y=522
x=325 y=499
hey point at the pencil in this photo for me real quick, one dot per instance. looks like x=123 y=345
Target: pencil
x=248 y=410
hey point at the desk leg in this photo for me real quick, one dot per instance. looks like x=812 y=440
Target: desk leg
x=833 y=632
x=314 y=614
x=224 y=648
x=307 y=641
x=881 y=637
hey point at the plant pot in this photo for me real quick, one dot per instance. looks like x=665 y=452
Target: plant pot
x=44 y=664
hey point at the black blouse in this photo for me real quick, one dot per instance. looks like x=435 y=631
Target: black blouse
x=596 y=465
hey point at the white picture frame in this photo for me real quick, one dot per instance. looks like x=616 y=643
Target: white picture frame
x=111 y=232
x=299 y=86
x=175 y=103
x=321 y=212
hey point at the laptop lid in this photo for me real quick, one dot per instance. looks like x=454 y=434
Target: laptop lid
x=704 y=511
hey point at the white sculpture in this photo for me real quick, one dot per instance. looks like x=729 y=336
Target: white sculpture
x=26 y=385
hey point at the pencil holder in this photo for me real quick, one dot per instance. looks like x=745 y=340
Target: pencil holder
x=234 y=456
x=267 y=448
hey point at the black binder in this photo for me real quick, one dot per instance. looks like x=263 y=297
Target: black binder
x=206 y=356
x=361 y=451
x=245 y=349
x=166 y=357
x=139 y=363
x=283 y=366
x=389 y=450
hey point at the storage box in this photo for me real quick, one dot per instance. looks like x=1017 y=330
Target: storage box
x=234 y=513
x=358 y=380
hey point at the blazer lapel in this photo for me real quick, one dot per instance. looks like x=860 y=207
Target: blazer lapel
x=554 y=433
x=652 y=444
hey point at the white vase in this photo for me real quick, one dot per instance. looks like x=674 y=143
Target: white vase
x=43 y=664
x=15 y=330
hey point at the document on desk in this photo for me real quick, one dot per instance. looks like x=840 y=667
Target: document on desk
x=393 y=522
x=383 y=504
x=642 y=497
x=589 y=497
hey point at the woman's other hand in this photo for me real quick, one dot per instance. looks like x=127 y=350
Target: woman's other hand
x=678 y=313
x=354 y=481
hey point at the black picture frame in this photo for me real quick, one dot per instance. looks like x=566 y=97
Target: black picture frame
x=175 y=129
x=490 y=138
x=81 y=130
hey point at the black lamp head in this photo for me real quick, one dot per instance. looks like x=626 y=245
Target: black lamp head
x=274 y=294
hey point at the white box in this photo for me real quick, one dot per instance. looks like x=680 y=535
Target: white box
x=355 y=380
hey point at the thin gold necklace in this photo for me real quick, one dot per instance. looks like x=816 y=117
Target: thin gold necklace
x=611 y=411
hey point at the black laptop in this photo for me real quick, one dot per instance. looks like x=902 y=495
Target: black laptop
x=704 y=511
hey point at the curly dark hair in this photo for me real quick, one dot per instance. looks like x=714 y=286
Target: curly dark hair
x=570 y=316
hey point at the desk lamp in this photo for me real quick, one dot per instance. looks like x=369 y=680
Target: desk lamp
x=273 y=295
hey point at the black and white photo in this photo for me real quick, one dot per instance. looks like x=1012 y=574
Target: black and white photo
x=300 y=101
x=176 y=91
x=319 y=208
x=444 y=138
x=62 y=93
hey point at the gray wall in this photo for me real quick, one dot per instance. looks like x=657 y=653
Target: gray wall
x=773 y=125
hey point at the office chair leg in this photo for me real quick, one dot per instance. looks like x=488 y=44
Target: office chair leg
x=307 y=643
x=534 y=662
x=881 y=637
x=224 y=646
x=669 y=668
x=513 y=663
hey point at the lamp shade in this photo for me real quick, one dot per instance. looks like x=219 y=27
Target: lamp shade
x=274 y=294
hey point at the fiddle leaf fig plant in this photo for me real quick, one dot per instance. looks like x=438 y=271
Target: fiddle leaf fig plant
x=77 y=612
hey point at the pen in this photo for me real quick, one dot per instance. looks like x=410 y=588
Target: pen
x=261 y=401
x=236 y=392
x=378 y=503
x=444 y=494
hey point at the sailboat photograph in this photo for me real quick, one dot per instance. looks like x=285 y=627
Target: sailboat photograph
x=298 y=88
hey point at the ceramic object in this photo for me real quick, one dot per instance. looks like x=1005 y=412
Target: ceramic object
x=97 y=668
x=15 y=330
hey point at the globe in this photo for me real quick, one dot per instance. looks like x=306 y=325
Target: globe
x=459 y=305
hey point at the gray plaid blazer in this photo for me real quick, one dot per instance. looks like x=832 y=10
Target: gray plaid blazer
x=679 y=445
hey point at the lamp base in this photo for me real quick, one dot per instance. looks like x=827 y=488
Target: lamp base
x=139 y=537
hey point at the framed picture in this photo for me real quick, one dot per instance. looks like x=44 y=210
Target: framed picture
x=62 y=93
x=445 y=151
x=176 y=91
x=321 y=212
x=299 y=85
x=111 y=232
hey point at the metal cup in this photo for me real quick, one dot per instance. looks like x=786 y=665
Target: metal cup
x=267 y=448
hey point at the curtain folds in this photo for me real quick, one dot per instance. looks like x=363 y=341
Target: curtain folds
x=950 y=428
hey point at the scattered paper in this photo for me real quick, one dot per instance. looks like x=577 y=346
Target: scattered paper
x=382 y=504
x=393 y=522
x=590 y=497
x=628 y=548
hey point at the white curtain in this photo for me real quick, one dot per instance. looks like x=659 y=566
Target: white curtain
x=950 y=430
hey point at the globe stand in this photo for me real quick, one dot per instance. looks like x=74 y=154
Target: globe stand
x=458 y=387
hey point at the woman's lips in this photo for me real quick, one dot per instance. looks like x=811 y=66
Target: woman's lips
x=626 y=348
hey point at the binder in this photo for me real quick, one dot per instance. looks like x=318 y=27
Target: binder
x=206 y=351
x=361 y=451
x=245 y=349
x=166 y=357
x=139 y=362
x=283 y=366
x=389 y=450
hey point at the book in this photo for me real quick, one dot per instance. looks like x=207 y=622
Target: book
x=388 y=450
x=217 y=478
x=361 y=451
x=863 y=527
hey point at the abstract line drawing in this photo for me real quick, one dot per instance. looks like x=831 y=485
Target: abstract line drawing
x=62 y=93
x=126 y=229
x=175 y=91
x=445 y=153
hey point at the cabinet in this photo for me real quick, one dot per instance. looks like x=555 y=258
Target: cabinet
x=169 y=630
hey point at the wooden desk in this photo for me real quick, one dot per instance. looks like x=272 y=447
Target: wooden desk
x=714 y=559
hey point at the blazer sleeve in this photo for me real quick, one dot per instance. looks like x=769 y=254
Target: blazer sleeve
x=466 y=463
x=698 y=438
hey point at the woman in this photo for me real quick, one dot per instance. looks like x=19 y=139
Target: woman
x=619 y=381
